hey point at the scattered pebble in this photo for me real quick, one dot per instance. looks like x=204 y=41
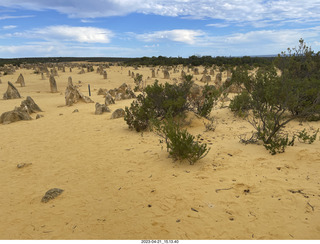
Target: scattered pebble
x=51 y=194
x=19 y=166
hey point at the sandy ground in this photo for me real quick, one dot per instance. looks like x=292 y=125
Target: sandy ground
x=119 y=184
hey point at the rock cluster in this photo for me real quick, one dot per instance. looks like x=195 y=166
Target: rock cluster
x=23 y=112
x=122 y=92
x=73 y=95
x=101 y=108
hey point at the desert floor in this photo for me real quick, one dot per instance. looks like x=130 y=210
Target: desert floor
x=120 y=184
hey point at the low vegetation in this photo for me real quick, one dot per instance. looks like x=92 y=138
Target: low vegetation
x=274 y=100
x=159 y=104
x=180 y=144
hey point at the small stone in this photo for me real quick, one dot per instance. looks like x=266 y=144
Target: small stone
x=76 y=111
x=39 y=116
x=19 y=166
x=51 y=194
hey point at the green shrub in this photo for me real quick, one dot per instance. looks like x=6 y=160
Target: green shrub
x=203 y=105
x=138 y=115
x=306 y=138
x=300 y=72
x=276 y=143
x=180 y=144
x=157 y=102
x=241 y=103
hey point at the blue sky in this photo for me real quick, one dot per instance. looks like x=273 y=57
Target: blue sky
x=136 y=28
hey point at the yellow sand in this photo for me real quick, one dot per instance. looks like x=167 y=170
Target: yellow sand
x=119 y=184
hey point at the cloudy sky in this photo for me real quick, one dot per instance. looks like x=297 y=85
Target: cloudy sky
x=136 y=28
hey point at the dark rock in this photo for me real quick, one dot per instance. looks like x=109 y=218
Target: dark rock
x=51 y=194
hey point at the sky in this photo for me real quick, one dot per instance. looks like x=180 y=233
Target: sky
x=171 y=28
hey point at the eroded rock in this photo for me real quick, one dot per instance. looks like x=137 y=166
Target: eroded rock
x=101 y=108
x=73 y=95
x=12 y=92
x=118 y=113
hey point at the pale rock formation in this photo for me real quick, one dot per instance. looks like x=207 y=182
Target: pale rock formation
x=195 y=71
x=218 y=79
x=12 y=92
x=30 y=105
x=20 y=80
x=102 y=91
x=53 y=84
x=73 y=95
x=101 y=108
x=166 y=74
x=206 y=78
x=23 y=112
x=109 y=99
x=118 y=113
x=15 y=115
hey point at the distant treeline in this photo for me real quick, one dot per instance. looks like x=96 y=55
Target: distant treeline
x=153 y=61
x=202 y=60
x=18 y=61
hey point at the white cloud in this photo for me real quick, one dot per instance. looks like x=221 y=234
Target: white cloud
x=250 y=11
x=261 y=42
x=4 y=17
x=177 y=35
x=8 y=27
x=218 y=25
x=69 y=33
x=53 y=49
x=87 y=21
